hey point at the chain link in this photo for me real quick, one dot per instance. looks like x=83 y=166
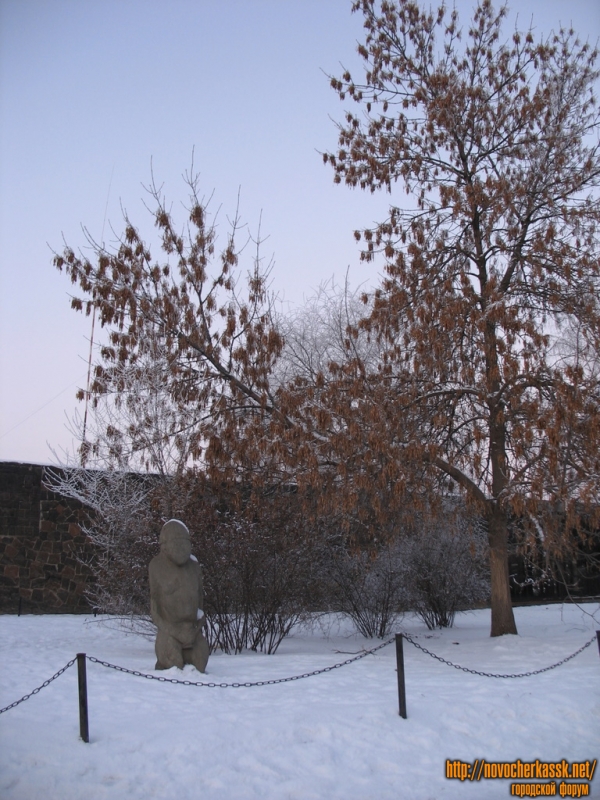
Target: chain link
x=39 y=688
x=492 y=674
x=271 y=682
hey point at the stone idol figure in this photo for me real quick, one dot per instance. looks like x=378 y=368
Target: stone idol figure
x=176 y=599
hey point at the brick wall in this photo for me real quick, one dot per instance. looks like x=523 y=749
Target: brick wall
x=41 y=545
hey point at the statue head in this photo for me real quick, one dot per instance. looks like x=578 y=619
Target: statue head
x=175 y=542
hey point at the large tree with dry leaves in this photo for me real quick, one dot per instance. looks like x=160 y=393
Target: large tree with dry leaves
x=189 y=343
x=493 y=136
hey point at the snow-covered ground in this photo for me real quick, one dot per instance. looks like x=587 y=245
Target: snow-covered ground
x=335 y=735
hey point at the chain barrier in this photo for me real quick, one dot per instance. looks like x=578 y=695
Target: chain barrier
x=274 y=681
x=39 y=688
x=495 y=675
x=212 y=685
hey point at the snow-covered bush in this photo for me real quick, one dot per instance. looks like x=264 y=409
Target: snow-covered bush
x=370 y=589
x=445 y=568
x=119 y=524
x=433 y=567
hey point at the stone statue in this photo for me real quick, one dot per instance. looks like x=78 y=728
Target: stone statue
x=176 y=599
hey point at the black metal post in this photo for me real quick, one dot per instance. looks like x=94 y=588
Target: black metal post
x=400 y=670
x=84 y=731
x=598 y=638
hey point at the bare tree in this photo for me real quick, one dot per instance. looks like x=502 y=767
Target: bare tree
x=119 y=525
x=134 y=424
x=315 y=334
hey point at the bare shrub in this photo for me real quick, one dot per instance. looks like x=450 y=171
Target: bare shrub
x=433 y=566
x=445 y=568
x=370 y=589
x=261 y=567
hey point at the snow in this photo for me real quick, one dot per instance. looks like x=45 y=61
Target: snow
x=334 y=735
x=179 y=522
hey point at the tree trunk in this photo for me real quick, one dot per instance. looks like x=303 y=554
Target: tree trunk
x=503 y=620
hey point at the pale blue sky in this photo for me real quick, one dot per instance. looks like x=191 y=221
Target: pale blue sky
x=92 y=90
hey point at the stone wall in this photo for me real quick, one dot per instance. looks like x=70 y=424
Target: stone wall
x=41 y=545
